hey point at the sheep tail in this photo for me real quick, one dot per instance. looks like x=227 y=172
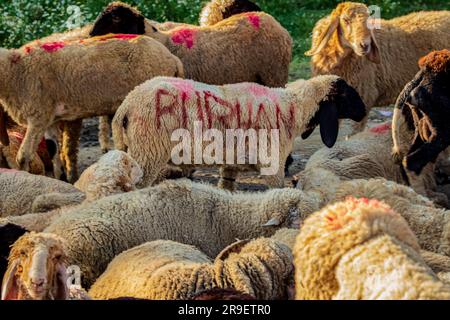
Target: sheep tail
x=4 y=139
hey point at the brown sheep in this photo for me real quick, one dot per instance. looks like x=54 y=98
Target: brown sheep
x=76 y=80
x=368 y=58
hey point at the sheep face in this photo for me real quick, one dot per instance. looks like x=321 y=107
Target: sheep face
x=119 y=18
x=36 y=269
x=350 y=22
x=428 y=97
x=341 y=102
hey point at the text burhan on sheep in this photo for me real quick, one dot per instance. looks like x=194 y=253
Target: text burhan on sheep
x=194 y=150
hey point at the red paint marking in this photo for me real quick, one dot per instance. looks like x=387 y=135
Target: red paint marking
x=53 y=46
x=184 y=115
x=238 y=114
x=123 y=36
x=278 y=115
x=160 y=111
x=15 y=57
x=184 y=37
x=19 y=136
x=5 y=170
x=28 y=49
x=250 y=114
x=258 y=115
x=199 y=107
x=208 y=94
x=382 y=128
x=255 y=20
x=226 y=104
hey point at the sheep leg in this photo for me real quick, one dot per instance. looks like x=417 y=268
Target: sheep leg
x=104 y=133
x=70 y=145
x=29 y=145
x=227 y=178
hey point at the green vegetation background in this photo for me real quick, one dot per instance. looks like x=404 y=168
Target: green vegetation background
x=25 y=20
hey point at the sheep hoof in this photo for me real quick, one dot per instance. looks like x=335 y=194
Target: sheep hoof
x=23 y=164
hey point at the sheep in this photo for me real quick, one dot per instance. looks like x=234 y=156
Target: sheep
x=365 y=250
x=9 y=234
x=348 y=43
x=250 y=47
x=174 y=210
x=420 y=131
x=42 y=161
x=163 y=269
x=19 y=190
x=114 y=173
x=431 y=225
x=162 y=105
x=67 y=92
x=218 y=10
x=36 y=269
x=440 y=264
x=363 y=156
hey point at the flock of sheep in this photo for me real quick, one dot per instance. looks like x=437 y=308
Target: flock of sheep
x=367 y=219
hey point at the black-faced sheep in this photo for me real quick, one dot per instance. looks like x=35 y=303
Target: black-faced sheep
x=420 y=125
x=69 y=81
x=365 y=251
x=162 y=105
x=349 y=43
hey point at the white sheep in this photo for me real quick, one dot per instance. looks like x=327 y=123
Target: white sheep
x=181 y=211
x=152 y=112
x=169 y=270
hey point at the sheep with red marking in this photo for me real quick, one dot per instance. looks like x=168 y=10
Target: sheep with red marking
x=76 y=80
x=250 y=47
x=420 y=130
x=151 y=113
x=364 y=250
x=367 y=52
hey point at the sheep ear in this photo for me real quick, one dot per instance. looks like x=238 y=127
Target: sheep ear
x=4 y=139
x=374 y=53
x=324 y=37
x=61 y=291
x=232 y=248
x=10 y=290
x=329 y=123
x=274 y=222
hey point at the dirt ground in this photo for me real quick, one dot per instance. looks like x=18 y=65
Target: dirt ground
x=90 y=152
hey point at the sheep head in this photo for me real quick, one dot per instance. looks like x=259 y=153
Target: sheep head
x=336 y=230
x=36 y=269
x=349 y=24
x=340 y=101
x=428 y=98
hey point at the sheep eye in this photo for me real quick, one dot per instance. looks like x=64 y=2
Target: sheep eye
x=154 y=29
x=19 y=269
x=125 y=122
x=57 y=256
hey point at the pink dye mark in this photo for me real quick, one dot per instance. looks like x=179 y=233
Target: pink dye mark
x=381 y=129
x=28 y=49
x=261 y=91
x=6 y=170
x=184 y=37
x=255 y=20
x=53 y=46
x=19 y=136
x=185 y=86
x=123 y=36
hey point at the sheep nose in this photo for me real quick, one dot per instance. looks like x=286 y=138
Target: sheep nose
x=364 y=46
x=37 y=283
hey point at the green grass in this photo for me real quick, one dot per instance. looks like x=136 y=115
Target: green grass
x=25 y=20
